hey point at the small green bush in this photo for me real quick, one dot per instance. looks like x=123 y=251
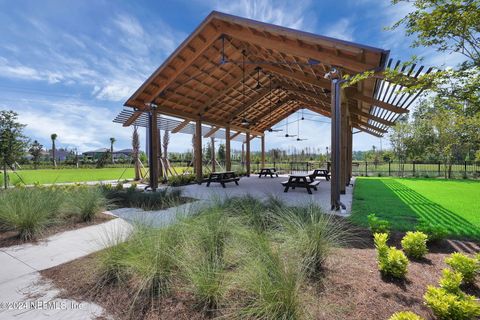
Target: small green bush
x=434 y=232
x=378 y=225
x=86 y=202
x=29 y=211
x=415 y=244
x=181 y=180
x=468 y=267
x=451 y=281
x=449 y=306
x=405 y=315
x=391 y=261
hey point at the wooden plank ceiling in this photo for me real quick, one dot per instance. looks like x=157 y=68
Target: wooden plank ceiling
x=232 y=70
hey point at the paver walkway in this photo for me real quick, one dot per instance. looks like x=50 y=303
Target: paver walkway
x=24 y=295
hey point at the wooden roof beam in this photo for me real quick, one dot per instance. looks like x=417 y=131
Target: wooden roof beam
x=278 y=119
x=369 y=126
x=353 y=94
x=211 y=132
x=179 y=70
x=370 y=116
x=262 y=94
x=181 y=126
x=236 y=134
x=322 y=83
x=132 y=118
x=367 y=131
x=291 y=47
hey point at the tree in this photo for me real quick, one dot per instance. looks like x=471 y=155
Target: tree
x=136 y=152
x=449 y=26
x=53 y=137
x=221 y=153
x=112 y=141
x=166 y=141
x=36 y=151
x=12 y=140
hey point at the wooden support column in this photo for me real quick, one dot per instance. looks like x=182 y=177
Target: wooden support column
x=153 y=148
x=343 y=152
x=212 y=159
x=263 y=151
x=247 y=158
x=349 y=154
x=198 y=151
x=228 y=162
x=335 y=180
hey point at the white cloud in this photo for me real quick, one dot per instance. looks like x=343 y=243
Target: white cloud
x=342 y=29
x=285 y=13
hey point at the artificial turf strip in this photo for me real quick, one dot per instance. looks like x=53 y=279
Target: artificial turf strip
x=453 y=204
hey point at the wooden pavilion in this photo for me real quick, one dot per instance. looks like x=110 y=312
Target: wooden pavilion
x=242 y=77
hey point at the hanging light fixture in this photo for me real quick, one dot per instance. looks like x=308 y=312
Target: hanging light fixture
x=258 y=86
x=244 y=121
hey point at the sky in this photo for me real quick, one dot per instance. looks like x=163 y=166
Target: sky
x=67 y=67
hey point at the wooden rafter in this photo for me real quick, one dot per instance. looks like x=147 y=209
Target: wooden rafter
x=180 y=126
x=211 y=132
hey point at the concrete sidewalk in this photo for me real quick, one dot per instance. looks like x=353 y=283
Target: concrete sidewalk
x=23 y=295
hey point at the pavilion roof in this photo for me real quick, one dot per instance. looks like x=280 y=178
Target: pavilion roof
x=233 y=70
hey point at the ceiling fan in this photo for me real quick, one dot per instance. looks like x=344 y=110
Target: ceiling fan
x=287 y=135
x=258 y=86
x=298 y=127
x=270 y=129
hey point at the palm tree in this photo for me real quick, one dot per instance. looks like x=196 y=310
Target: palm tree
x=112 y=141
x=53 y=136
x=136 y=152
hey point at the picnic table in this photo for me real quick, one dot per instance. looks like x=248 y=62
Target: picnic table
x=267 y=171
x=300 y=181
x=320 y=173
x=222 y=178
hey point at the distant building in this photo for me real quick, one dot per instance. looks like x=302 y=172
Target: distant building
x=117 y=154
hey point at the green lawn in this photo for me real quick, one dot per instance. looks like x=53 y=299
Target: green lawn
x=453 y=204
x=49 y=176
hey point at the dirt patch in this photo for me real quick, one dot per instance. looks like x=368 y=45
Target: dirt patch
x=10 y=238
x=352 y=287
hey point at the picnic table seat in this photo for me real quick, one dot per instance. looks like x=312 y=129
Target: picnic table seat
x=222 y=178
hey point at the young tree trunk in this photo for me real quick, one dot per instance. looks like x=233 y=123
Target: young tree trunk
x=5 y=177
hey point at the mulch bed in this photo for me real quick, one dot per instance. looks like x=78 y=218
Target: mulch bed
x=10 y=238
x=352 y=287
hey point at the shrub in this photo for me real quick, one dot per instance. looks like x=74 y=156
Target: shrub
x=86 y=202
x=415 y=244
x=312 y=235
x=180 y=180
x=451 y=281
x=449 y=306
x=391 y=261
x=405 y=315
x=468 y=267
x=269 y=285
x=30 y=210
x=434 y=232
x=132 y=198
x=378 y=225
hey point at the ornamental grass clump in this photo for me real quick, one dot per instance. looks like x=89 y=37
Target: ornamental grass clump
x=252 y=213
x=467 y=266
x=202 y=261
x=269 y=284
x=448 y=302
x=405 y=315
x=86 y=202
x=29 y=211
x=311 y=234
x=391 y=261
x=415 y=244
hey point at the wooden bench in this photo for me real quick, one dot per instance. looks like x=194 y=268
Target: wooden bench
x=268 y=171
x=222 y=178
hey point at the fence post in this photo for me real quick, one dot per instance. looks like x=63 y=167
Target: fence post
x=438 y=169
x=413 y=162
x=389 y=169
x=465 y=168
x=366 y=168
